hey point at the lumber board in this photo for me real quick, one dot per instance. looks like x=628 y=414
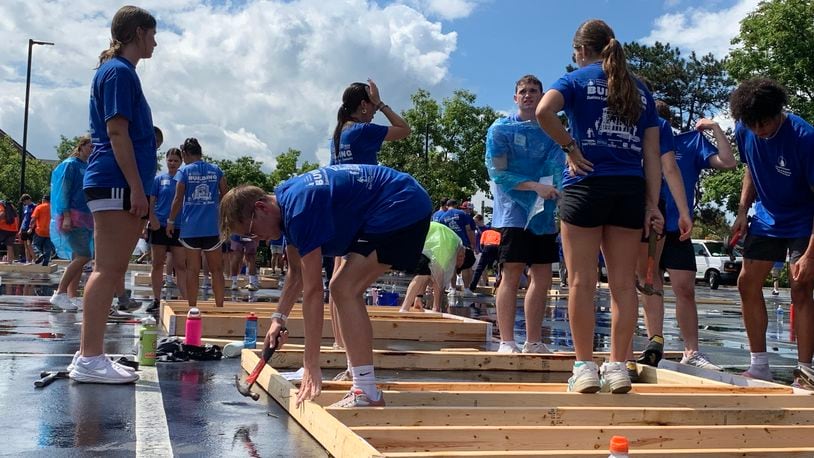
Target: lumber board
x=727 y=378
x=144 y=279
x=514 y=399
x=781 y=452
x=433 y=438
x=28 y=268
x=434 y=360
x=438 y=329
x=132 y=267
x=649 y=374
x=568 y=416
x=337 y=438
x=268 y=308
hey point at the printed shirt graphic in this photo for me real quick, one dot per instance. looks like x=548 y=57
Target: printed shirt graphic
x=782 y=170
x=164 y=192
x=458 y=221
x=201 y=199
x=359 y=144
x=116 y=91
x=693 y=151
x=331 y=206
x=613 y=146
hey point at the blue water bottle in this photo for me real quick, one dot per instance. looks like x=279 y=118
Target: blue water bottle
x=250 y=336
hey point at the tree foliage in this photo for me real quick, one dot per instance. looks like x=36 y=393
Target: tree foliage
x=37 y=174
x=65 y=147
x=446 y=149
x=243 y=170
x=287 y=167
x=776 y=40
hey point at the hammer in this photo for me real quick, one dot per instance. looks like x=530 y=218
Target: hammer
x=730 y=247
x=648 y=289
x=245 y=388
x=46 y=378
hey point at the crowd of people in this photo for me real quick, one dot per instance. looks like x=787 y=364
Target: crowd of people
x=612 y=179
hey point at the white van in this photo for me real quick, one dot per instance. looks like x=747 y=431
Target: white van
x=713 y=264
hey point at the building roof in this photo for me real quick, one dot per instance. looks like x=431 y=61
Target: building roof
x=16 y=145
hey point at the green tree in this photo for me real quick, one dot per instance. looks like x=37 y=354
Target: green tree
x=65 y=147
x=243 y=170
x=776 y=40
x=446 y=149
x=37 y=174
x=287 y=167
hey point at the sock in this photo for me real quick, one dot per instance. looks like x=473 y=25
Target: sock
x=365 y=380
x=759 y=359
x=234 y=278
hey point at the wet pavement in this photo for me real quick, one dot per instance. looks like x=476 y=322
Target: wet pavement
x=203 y=415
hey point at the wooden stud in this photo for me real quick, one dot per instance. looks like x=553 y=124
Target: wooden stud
x=28 y=268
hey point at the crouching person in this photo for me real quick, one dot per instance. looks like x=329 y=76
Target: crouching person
x=376 y=217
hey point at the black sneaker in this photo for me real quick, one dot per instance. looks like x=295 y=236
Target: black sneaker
x=154 y=307
x=653 y=353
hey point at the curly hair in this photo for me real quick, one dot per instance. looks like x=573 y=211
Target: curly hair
x=757 y=100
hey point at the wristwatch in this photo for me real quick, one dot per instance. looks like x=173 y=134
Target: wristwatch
x=568 y=148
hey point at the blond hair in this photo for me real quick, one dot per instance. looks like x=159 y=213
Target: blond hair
x=83 y=140
x=236 y=206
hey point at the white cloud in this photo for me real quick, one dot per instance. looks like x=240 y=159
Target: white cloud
x=253 y=79
x=701 y=30
x=447 y=10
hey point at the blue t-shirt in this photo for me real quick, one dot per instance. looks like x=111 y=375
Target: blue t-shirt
x=116 y=91
x=164 y=193
x=27 y=210
x=782 y=169
x=201 y=199
x=518 y=151
x=278 y=242
x=614 y=148
x=666 y=144
x=458 y=221
x=359 y=144
x=329 y=207
x=693 y=151
x=437 y=215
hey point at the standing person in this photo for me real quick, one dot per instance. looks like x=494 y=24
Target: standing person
x=778 y=149
x=199 y=189
x=119 y=176
x=276 y=249
x=374 y=216
x=244 y=250
x=71 y=226
x=463 y=225
x=525 y=167
x=161 y=198
x=9 y=222
x=26 y=209
x=607 y=198
x=40 y=230
x=442 y=208
x=776 y=269
x=489 y=254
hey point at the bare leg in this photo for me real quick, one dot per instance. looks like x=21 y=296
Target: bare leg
x=535 y=302
x=506 y=300
x=683 y=282
x=193 y=269
x=215 y=261
x=750 y=286
x=178 y=259
x=617 y=244
x=581 y=246
x=157 y=272
x=801 y=297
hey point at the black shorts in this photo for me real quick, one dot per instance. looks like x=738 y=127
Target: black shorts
x=677 y=254
x=159 y=237
x=423 y=266
x=762 y=248
x=210 y=243
x=663 y=210
x=469 y=260
x=7 y=237
x=519 y=245
x=109 y=199
x=25 y=236
x=604 y=201
x=399 y=249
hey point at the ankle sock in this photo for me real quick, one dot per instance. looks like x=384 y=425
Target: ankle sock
x=759 y=366
x=253 y=278
x=365 y=380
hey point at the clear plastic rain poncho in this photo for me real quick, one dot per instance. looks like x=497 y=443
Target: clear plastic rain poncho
x=67 y=195
x=441 y=247
x=519 y=151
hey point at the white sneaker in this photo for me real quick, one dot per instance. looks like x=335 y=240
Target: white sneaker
x=77 y=301
x=469 y=293
x=584 y=378
x=615 y=378
x=100 y=369
x=61 y=301
x=235 y=286
x=76 y=356
x=508 y=348
x=535 y=347
x=451 y=292
x=698 y=359
x=252 y=286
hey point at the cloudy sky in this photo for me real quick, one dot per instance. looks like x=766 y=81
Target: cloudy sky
x=251 y=77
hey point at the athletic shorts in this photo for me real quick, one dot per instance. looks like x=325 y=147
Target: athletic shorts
x=210 y=243
x=520 y=245
x=663 y=210
x=677 y=254
x=469 y=260
x=241 y=246
x=276 y=249
x=423 y=267
x=604 y=201
x=109 y=199
x=79 y=241
x=7 y=237
x=159 y=237
x=400 y=249
x=25 y=236
x=762 y=248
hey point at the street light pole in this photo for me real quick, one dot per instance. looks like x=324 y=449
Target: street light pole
x=31 y=44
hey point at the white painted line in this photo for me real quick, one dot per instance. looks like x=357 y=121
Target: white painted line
x=152 y=432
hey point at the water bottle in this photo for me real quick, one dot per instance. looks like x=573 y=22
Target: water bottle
x=618 y=447
x=779 y=314
x=250 y=336
x=147 y=337
x=192 y=332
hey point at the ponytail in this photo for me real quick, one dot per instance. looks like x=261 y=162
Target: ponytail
x=351 y=99
x=114 y=50
x=342 y=116
x=123 y=30
x=623 y=94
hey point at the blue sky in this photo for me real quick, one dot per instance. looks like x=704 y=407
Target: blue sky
x=255 y=77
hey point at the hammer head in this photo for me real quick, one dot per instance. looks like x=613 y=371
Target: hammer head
x=243 y=389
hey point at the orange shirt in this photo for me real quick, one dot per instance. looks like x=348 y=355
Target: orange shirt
x=41 y=218
x=490 y=237
x=3 y=225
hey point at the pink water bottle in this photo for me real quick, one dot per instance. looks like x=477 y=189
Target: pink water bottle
x=192 y=334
